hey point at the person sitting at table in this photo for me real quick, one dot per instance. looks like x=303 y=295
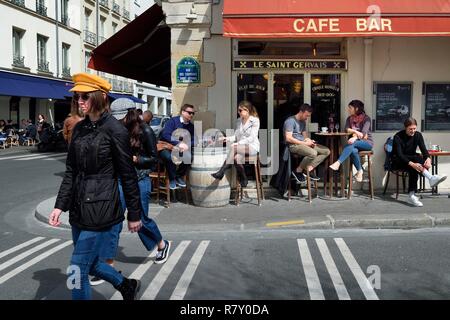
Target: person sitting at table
x=299 y=143
x=404 y=157
x=245 y=142
x=358 y=124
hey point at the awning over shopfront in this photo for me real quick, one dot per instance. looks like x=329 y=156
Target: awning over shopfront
x=13 y=84
x=141 y=50
x=128 y=96
x=344 y=18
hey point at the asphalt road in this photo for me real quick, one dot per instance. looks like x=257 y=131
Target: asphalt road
x=227 y=264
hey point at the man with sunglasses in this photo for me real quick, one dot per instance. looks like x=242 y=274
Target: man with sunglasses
x=183 y=122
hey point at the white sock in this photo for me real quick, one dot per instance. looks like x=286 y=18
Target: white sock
x=426 y=174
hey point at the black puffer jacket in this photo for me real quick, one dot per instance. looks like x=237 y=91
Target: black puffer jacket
x=99 y=154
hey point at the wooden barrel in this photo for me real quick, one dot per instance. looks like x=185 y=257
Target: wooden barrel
x=207 y=191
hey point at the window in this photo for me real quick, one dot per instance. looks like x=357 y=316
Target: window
x=65 y=60
x=87 y=57
x=64 y=12
x=87 y=16
x=42 y=53
x=17 y=35
x=41 y=8
x=289 y=48
x=102 y=30
x=114 y=27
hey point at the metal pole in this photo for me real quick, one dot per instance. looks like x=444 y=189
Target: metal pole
x=57 y=38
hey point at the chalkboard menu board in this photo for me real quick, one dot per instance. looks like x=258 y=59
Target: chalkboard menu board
x=437 y=106
x=393 y=105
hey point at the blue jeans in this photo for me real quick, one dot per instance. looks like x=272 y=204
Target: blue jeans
x=352 y=150
x=86 y=257
x=172 y=170
x=149 y=233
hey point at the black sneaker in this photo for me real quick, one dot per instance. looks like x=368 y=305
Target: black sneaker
x=300 y=177
x=163 y=254
x=313 y=177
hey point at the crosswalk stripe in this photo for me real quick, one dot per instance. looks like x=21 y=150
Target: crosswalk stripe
x=33 y=261
x=26 y=254
x=152 y=290
x=332 y=270
x=360 y=277
x=312 y=279
x=37 y=157
x=29 y=156
x=56 y=158
x=20 y=246
x=138 y=273
x=186 y=277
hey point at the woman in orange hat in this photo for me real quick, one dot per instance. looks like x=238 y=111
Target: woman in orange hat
x=98 y=155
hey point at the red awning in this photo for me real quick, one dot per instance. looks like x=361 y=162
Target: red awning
x=141 y=50
x=343 y=18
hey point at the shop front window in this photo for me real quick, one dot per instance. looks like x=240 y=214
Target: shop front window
x=326 y=100
x=288 y=96
x=253 y=88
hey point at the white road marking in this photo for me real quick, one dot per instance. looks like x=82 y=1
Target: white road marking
x=186 y=277
x=20 y=246
x=312 y=279
x=152 y=290
x=360 y=277
x=38 y=157
x=332 y=270
x=30 y=156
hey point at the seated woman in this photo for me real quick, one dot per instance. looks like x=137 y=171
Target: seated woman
x=359 y=125
x=247 y=142
x=404 y=157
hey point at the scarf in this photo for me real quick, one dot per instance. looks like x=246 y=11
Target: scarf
x=356 y=121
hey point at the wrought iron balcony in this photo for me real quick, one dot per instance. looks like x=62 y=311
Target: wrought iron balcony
x=116 y=8
x=43 y=65
x=20 y=3
x=104 y=3
x=18 y=61
x=66 y=72
x=90 y=37
x=126 y=14
x=65 y=19
x=41 y=9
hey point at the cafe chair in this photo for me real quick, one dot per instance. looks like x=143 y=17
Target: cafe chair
x=362 y=154
x=295 y=160
x=398 y=173
x=256 y=162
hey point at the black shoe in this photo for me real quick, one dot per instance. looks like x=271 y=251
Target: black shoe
x=129 y=288
x=300 y=177
x=313 y=177
x=163 y=254
x=243 y=181
x=219 y=174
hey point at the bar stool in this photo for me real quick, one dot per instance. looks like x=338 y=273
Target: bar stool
x=255 y=160
x=161 y=175
x=369 y=154
x=294 y=165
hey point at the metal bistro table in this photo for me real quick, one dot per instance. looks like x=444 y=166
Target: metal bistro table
x=333 y=142
x=434 y=155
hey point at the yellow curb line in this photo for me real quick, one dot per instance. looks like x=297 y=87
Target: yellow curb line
x=285 y=223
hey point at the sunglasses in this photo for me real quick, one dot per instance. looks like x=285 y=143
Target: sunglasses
x=190 y=112
x=83 y=96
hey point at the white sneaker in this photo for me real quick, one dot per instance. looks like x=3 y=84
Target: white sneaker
x=415 y=201
x=359 y=176
x=435 y=180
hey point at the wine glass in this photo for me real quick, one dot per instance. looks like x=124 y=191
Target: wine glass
x=336 y=126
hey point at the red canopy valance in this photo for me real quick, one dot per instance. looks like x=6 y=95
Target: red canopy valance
x=344 y=18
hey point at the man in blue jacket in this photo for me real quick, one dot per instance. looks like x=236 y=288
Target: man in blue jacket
x=183 y=121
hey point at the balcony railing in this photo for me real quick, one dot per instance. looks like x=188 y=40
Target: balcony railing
x=117 y=85
x=66 y=72
x=116 y=8
x=126 y=14
x=43 y=65
x=18 y=61
x=41 y=9
x=65 y=19
x=104 y=3
x=90 y=37
x=20 y=3
x=128 y=86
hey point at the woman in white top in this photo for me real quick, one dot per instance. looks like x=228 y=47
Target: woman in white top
x=245 y=142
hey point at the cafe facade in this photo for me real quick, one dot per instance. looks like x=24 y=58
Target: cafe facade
x=392 y=55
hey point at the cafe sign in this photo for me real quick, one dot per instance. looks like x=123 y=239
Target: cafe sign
x=250 y=64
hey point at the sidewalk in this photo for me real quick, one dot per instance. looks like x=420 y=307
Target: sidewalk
x=323 y=213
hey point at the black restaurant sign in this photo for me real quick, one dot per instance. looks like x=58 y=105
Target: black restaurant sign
x=393 y=105
x=249 y=64
x=437 y=106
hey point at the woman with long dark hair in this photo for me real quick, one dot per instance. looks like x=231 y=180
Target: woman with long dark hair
x=358 y=124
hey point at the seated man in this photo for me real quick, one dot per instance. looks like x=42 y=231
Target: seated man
x=299 y=143
x=182 y=121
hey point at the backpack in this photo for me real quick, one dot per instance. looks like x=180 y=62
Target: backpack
x=388 y=149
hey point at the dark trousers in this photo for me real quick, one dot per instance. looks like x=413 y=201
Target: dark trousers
x=412 y=173
x=172 y=169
